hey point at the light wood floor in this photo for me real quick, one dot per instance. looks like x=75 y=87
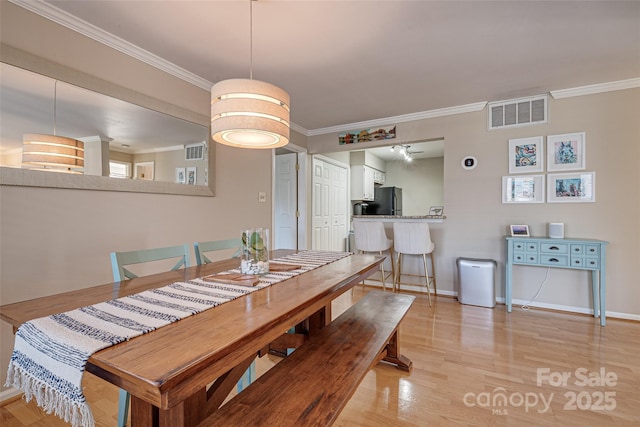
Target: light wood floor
x=465 y=360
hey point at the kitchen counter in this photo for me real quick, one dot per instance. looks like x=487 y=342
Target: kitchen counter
x=394 y=218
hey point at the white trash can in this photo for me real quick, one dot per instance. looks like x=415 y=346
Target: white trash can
x=477 y=281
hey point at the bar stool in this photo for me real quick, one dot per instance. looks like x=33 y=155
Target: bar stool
x=413 y=238
x=371 y=237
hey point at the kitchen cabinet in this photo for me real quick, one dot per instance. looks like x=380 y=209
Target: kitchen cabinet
x=362 y=183
x=378 y=177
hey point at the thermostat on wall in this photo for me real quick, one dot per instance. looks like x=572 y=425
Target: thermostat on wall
x=469 y=163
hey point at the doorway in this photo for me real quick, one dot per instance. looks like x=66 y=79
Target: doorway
x=289 y=198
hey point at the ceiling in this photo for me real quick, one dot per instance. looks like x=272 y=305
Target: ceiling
x=346 y=63
x=417 y=150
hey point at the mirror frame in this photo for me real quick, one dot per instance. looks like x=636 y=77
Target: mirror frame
x=35 y=178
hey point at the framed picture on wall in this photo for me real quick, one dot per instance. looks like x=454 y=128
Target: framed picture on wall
x=566 y=152
x=526 y=155
x=523 y=189
x=181 y=175
x=571 y=187
x=191 y=175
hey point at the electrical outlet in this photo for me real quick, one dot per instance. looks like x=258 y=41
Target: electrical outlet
x=262 y=197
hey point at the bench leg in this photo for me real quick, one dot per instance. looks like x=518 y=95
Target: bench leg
x=394 y=357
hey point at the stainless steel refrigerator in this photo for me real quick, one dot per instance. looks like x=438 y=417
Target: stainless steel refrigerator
x=387 y=201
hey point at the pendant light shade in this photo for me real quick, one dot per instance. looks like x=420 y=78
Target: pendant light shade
x=249 y=114
x=53 y=151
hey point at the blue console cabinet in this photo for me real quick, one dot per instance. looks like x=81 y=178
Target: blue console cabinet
x=583 y=254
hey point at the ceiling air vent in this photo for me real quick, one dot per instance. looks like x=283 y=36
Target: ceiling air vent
x=194 y=152
x=518 y=112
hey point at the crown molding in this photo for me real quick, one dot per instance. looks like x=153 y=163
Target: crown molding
x=597 y=88
x=76 y=24
x=421 y=115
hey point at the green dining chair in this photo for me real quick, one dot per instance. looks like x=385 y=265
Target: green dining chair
x=218 y=245
x=118 y=262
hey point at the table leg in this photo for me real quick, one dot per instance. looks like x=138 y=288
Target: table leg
x=595 y=286
x=603 y=296
x=507 y=280
x=221 y=388
x=393 y=354
x=603 y=284
x=143 y=414
x=319 y=319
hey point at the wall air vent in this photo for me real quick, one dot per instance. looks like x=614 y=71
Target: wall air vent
x=518 y=112
x=194 y=152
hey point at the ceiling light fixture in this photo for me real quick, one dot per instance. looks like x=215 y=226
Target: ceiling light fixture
x=249 y=113
x=404 y=150
x=51 y=151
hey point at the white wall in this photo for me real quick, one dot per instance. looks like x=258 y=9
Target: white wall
x=422 y=183
x=477 y=220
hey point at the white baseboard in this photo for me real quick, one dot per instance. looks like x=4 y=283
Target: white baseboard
x=572 y=309
x=567 y=308
x=9 y=393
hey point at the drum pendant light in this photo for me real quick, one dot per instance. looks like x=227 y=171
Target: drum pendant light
x=51 y=152
x=249 y=113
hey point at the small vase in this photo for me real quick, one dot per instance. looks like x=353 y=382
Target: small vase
x=255 y=251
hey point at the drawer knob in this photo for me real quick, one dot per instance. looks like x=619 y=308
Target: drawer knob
x=554 y=248
x=553 y=260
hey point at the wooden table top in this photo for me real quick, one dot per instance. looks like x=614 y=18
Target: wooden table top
x=166 y=366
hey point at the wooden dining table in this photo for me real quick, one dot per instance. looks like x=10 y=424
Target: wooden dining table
x=180 y=373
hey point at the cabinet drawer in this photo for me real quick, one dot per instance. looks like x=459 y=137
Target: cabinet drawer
x=577 y=261
x=532 y=246
x=593 y=263
x=592 y=250
x=560 y=248
x=590 y=263
x=519 y=246
x=531 y=258
x=561 y=260
x=577 y=249
x=518 y=257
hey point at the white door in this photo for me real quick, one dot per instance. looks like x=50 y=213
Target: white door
x=330 y=206
x=285 y=194
x=321 y=221
x=338 y=208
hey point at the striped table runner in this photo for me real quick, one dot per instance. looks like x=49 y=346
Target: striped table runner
x=50 y=353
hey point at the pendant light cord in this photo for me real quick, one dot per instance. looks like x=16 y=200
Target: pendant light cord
x=251 y=39
x=55 y=96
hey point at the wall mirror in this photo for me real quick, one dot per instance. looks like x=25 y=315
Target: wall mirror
x=138 y=149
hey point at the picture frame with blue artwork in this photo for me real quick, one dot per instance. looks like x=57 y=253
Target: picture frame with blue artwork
x=566 y=152
x=526 y=155
x=575 y=187
x=523 y=189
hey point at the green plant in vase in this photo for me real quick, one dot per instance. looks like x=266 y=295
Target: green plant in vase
x=255 y=251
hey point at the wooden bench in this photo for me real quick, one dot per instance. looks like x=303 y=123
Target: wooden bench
x=313 y=385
